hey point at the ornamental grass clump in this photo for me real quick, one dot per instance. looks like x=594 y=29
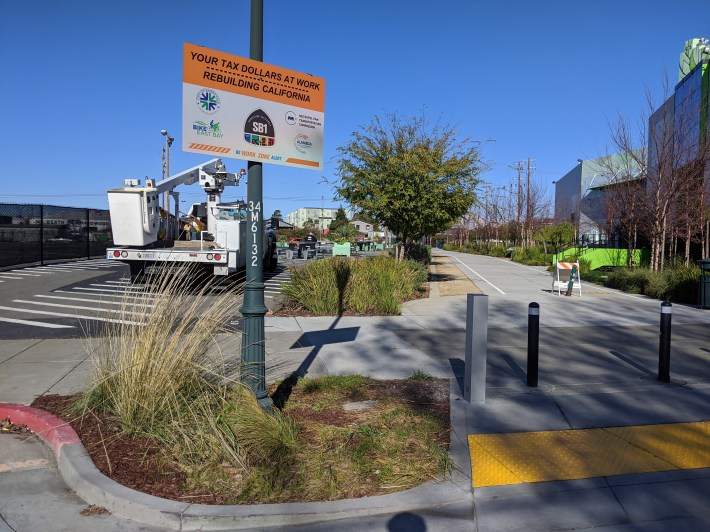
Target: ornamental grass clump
x=168 y=369
x=372 y=285
x=165 y=350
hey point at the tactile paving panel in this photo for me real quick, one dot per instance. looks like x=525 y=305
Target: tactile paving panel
x=685 y=445
x=512 y=458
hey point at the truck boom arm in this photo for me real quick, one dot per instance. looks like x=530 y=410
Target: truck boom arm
x=214 y=169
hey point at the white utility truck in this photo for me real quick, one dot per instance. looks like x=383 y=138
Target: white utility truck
x=220 y=248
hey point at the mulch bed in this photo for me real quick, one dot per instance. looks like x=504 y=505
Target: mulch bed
x=136 y=463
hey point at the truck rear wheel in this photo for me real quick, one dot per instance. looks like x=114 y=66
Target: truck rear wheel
x=137 y=270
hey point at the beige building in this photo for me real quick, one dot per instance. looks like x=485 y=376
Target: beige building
x=316 y=216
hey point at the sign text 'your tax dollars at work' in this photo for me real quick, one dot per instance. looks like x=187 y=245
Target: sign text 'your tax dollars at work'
x=246 y=109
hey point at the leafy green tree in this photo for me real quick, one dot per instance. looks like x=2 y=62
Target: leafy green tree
x=341 y=219
x=277 y=214
x=556 y=236
x=414 y=177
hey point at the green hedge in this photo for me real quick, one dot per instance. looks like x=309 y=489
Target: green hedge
x=679 y=283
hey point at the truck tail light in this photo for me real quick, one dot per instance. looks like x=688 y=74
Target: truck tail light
x=116 y=253
x=217 y=256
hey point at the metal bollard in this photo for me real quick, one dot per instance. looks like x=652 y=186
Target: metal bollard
x=664 y=347
x=533 y=342
x=476 y=348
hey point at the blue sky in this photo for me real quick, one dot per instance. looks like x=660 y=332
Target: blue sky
x=87 y=85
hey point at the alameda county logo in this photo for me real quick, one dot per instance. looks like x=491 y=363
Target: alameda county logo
x=302 y=143
x=208 y=101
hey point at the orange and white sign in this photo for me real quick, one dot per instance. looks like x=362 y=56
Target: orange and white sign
x=251 y=110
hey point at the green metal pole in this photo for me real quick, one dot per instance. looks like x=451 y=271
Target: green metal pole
x=253 y=370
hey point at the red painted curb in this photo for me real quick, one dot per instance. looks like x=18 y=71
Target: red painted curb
x=53 y=430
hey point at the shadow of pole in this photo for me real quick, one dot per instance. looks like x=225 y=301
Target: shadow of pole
x=285 y=388
x=633 y=364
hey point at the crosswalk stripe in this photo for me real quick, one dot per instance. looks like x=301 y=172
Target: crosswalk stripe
x=18 y=272
x=37 y=323
x=62 y=315
x=105 y=302
x=55 y=269
x=112 y=294
x=97 y=290
x=120 y=288
x=10 y=278
x=78 y=307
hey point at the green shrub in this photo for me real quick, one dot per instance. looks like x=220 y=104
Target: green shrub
x=585 y=266
x=373 y=285
x=678 y=283
x=419 y=253
x=532 y=256
x=682 y=284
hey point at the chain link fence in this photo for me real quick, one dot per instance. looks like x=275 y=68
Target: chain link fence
x=39 y=234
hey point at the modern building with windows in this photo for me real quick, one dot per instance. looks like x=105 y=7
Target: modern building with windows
x=581 y=195
x=677 y=132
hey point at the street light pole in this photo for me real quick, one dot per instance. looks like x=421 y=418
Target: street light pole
x=253 y=370
x=166 y=195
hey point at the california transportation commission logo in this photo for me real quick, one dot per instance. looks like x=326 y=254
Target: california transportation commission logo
x=208 y=101
x=302 y=143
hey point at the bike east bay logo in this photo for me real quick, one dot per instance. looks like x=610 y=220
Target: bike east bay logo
x=208 y=130
x=259 y=130
x=208 y=101
x=302 y=143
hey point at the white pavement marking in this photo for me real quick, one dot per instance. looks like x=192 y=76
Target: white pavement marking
x=114 y=291
x=121 y=294
x=19 y=272
x=47 y=269
x=37 y=323
x=95 y=300
x=119 y=288
x=481 y=276
x=97 y=318
x=10 y=278
x=77 y=307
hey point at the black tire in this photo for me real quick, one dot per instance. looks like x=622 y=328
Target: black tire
x=137 y=270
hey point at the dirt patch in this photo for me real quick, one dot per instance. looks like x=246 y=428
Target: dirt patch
x=446 y=279
x=138 y=462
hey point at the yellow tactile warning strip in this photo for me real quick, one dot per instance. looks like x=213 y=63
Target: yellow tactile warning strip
x=514 y=458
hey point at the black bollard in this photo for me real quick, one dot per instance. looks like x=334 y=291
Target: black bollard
x=533 y=342
x=664 y=347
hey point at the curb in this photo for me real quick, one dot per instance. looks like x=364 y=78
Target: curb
x=81 y=475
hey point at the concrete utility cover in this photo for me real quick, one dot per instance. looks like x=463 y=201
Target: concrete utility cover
x=362 y=405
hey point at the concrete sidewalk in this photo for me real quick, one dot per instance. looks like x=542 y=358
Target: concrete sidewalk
x=598 y=358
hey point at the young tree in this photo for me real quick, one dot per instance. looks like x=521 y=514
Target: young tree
x=277 y=214
x=414 y=177
x=557 y=236
x=341 y=219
